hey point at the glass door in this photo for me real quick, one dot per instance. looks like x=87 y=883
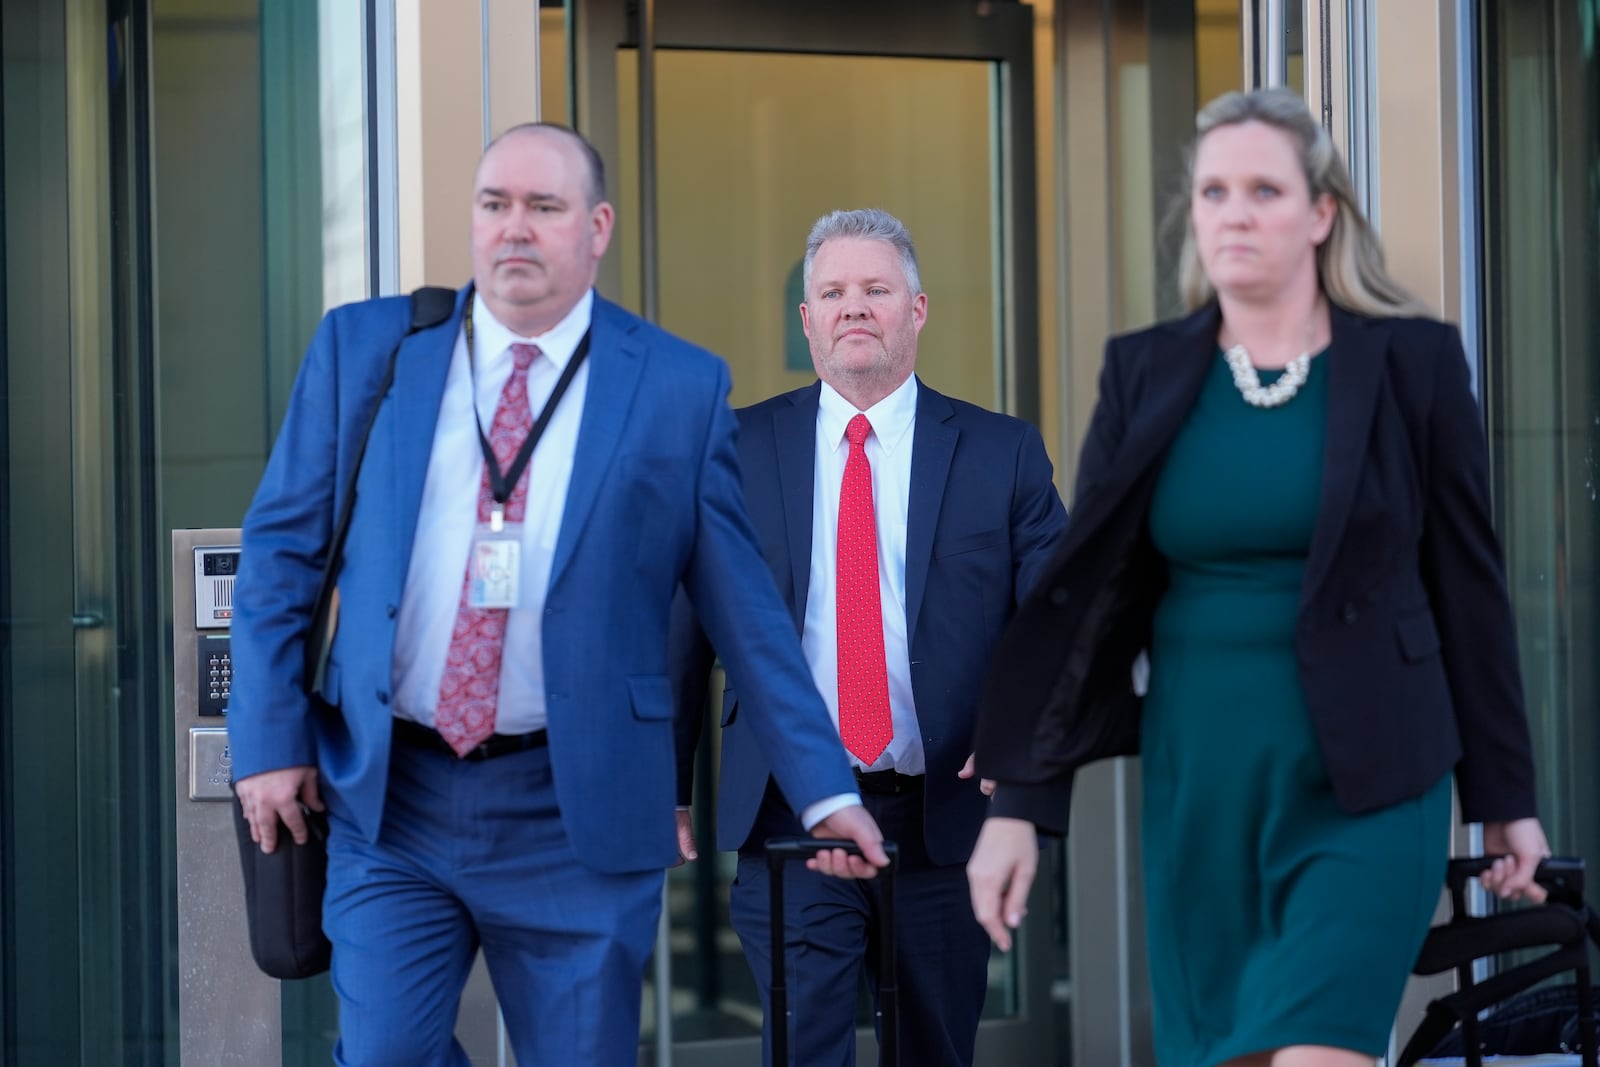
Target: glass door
x=764 y=117
x=83 y=901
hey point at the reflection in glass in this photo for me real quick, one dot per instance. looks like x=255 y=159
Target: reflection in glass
x=1294 y=45
x=1218 y=44
x=751 y=149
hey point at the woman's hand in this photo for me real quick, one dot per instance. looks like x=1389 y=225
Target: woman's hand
x=1520 y=844
x=1000 y=873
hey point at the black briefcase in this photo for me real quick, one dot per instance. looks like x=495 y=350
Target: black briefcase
x=780 y=851
x=283 y=897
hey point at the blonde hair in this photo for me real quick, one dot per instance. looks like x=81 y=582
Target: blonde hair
x=1350 y=265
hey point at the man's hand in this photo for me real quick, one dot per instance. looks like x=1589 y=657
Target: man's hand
x=850 y=824
x=1000 y=874
x=969 y=768
x=273 y=795
x=1520 y=844
x=686 y=849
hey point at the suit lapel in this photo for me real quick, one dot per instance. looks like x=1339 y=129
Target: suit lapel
x=1355 y=374
x=1175 y=367
x=794 y=429
x=616 y=359
x=420 y=372
x=933 y=445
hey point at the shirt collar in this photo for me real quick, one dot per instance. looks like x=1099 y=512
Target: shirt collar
x=558 y=343
x=891 y=418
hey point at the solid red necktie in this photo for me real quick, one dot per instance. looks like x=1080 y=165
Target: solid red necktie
x=469 y=691
x=865 y=724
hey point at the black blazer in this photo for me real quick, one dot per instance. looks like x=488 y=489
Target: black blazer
x=1404 y=637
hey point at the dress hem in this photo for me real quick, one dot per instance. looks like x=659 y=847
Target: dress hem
x=1346 y=1041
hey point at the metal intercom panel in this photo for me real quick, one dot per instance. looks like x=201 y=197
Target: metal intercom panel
x=215 y=567
x=224 y=1003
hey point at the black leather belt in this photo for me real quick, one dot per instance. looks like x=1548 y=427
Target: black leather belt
x=888 y=781
x=420 y=736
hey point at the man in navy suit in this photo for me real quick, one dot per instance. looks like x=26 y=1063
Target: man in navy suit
x=494 y=730
x=902 y=526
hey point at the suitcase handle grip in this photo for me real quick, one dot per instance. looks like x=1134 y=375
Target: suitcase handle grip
x=781 y=850
x=1563 y=874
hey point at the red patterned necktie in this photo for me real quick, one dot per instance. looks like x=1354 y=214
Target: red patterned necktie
x=470 y=688
x=865 y=725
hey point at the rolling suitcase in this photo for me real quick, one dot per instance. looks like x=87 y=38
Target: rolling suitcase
x=1524 y=1020
x=780 y=852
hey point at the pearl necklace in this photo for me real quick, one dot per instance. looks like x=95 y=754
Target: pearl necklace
x=1279 y=392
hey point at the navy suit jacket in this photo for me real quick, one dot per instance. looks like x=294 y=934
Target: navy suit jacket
x=654 y=504
x=1404 y=636
x=983 y=518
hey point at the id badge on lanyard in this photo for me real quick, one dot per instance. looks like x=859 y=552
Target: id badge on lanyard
x=495 y=565
x=496 y=562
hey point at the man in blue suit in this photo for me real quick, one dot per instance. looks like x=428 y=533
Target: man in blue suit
x=902 y=527
x=493 y=739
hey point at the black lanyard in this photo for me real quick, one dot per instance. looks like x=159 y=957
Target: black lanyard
x=500 y=485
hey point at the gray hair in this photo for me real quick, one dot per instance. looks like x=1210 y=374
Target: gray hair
x=870 y=224
x=1350 y=265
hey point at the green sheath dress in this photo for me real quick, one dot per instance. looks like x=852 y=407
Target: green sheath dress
x=1273 y=917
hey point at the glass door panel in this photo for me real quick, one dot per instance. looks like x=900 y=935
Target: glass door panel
x=753 y=147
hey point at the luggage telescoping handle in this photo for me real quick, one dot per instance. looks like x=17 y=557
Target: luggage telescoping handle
x=780 y=852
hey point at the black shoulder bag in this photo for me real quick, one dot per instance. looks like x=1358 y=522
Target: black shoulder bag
x=283 y=891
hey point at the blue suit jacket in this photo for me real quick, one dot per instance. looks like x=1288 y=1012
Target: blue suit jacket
x=983 y=520
x=654 y=503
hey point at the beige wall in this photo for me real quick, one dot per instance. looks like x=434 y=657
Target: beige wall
x=440 y=104
x=1416 y=176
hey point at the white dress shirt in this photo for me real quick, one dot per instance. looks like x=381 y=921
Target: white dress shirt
x=449 y=517
x=888 y=449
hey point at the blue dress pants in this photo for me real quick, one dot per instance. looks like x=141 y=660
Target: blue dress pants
x=473 y=855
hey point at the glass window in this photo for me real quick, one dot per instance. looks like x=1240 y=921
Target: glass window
x=1541 y=225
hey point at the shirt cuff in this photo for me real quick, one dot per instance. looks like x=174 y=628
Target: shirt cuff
x=825 y=807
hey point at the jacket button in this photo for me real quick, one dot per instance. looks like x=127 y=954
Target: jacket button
x=393 y=610
x=1349 y=613
x=1058 y=596
x=383 y=696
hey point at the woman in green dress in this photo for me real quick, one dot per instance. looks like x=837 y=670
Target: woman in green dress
x=1280 y=585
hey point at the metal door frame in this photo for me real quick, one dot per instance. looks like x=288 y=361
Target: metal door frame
x=921 y=29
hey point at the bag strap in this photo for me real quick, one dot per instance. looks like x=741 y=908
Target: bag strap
x=430 y=305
